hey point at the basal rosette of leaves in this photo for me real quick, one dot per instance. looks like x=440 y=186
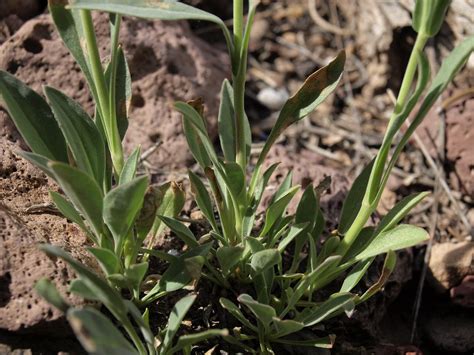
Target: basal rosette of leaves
x=123 y=215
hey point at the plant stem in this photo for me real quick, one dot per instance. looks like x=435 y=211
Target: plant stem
x=410 y=71
x=135 y=338
x=239 y=85
x=368 y=206
x=102 y=91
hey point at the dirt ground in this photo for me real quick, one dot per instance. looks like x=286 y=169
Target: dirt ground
x=427 y=307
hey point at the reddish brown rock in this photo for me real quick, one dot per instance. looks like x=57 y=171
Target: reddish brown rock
x=450 y=263
x=167 y=64
x=22 y=264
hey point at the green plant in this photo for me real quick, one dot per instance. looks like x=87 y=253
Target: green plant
x=285 y=297
x=113 y=206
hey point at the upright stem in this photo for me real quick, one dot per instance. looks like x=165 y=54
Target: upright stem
x=369 y=206
x=239 y=85
x=102 y=90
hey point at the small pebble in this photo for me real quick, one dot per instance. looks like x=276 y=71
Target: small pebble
x=272 y=98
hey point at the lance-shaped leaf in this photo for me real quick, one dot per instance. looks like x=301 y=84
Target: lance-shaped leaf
x=203 y=199
x=388 y=266
x=84 y=193
x=171 y=203
x=326 y=310
x=174 y=322
x=105 y=293
x=181 y=231
x=33 y=118
x=68 y=211
x=356 y=274
x=428 y=16
x=46 y=289
x=263 y=260
x=81 y=134
x=403 y=236
x=122 y=91
x=314 y=91
x=121 y=206
x=263 y=312
x=276 y=210
x=324 y=343
x=401 y=209
x=130 y=167
x=186 y=341
x=97 y=334
x=353 y=202
x=108 y=261
x=69 y=26
x=285 y=327
x=236 y=313
x=229 y=257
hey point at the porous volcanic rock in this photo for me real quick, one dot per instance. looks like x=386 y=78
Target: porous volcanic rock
x=22 y=264
x=167 y=63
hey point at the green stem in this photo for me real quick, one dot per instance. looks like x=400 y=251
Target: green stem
x=239 y=85
x=368 y=203
x=101 y=88
x=410 y=72
x=135 y=338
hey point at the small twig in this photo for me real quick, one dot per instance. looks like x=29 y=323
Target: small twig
x=42 y=208
x=442 y=181
x=321 y=22
x=149 y=151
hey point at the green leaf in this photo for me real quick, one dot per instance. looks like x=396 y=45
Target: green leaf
x=317 y=87
x=276 y=210
x=181 y=231
x=329 y=247
x=174 y=322
x=160 y=10
x=236 y=313
x=388 y=267
x=46 y=289
x=39 y=161
x=68 y=211
x=108 y=261
x=106 y=294
x=188 y=340
x=177 y=275
x=226 y=121
x=33 y=118
x=403 y=236
x=196 y=134
x=356 y=274
x=84 y=193
x=172 y=202
x=129 y=170
x=69 y=26
x=235 y=178
x=264 y=260
x=121 y=206
x=326 y=310
x=285 y=327
x=263 y=313
x=353 y=202
x=123 y=91
x=428 y=16
x=261 y=184
x=229 y=257
x=97 y=334
x=401 y=209
x=294 y=232
x=79 y=288
x=203 y=199
x=308 y=207
x=82 y=136
x=135 y=274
